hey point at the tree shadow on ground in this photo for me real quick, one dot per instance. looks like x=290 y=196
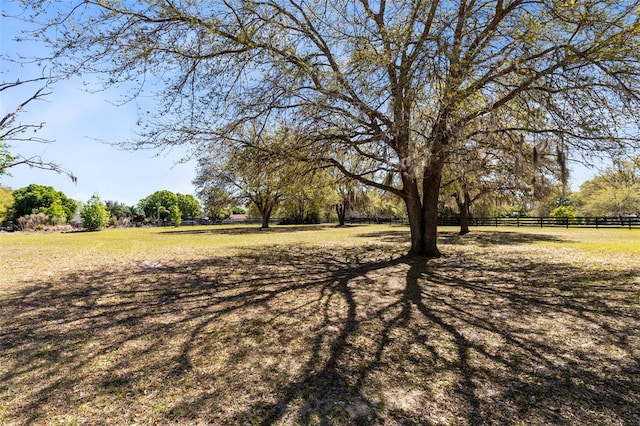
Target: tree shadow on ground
x=484 y=238
x=324 y=336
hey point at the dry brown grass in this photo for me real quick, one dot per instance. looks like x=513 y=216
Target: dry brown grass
x=508 y=328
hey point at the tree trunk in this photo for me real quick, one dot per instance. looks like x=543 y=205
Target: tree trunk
x=301 y=211
x=265 y=213
x=427 y=243
x=430 y=215
x=423 y=213
x=464 y=221
x=423 y=223
x=464 y=206
x=265 y=221
x=341 y=210
x=464 y=225
x=416 y=224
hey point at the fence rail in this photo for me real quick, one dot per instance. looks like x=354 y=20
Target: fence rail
x=542 y=222
x=539 y=222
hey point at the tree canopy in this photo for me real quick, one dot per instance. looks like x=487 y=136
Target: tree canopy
x=6 y=202
x=250 y=172
x=188 y=205
x=159 y=205
x=399 y=85
x=94 y=213
x=43 y=199
x=615 y=192
x=117 y=209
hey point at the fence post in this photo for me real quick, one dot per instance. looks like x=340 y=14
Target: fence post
x=629 y=220
x=496 y=221
x=540 y=221
x=518 y=222
x=596 y=222
x=566 y=222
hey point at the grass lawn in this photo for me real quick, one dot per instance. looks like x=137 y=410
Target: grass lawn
x=320 y=325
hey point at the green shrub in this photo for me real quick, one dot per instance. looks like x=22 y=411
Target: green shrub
x=94 y=214
x=175 y=214
x=564 y=212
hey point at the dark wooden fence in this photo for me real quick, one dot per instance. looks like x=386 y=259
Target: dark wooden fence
x=539 y=222
x=542 y=222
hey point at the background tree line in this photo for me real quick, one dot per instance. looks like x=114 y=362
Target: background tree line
x=296 y=194
x=38 y=206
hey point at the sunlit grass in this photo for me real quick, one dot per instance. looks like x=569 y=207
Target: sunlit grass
x=612 y=241
x=620 y=244
x=31 y=254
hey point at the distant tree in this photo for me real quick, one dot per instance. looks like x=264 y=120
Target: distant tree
x=119 y=213
x=69 y=206
x=189 y=206
x=175 y=215
x=56 y=213
x=137 y=214
x=158 y=204
x=501 y=166
x=216 y=202
x=344 y=196
x=615 y=192
x=6 y=203
x=43 y=199
x=354 y=199
x=94 y=213
x=118 y=210
x=250 y=171
x=349 y=197
x=308 y=198
x=379 y=204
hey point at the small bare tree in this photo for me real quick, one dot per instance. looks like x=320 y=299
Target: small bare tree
x=11 y=130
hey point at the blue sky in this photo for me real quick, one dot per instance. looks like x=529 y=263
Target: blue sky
x=81 y=126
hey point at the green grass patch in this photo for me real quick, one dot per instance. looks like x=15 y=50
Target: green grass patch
x=319 y=325
x=613 y=241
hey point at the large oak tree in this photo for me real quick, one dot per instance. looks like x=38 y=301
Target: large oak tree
x=400 y=83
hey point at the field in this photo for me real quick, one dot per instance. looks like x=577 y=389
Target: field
x=320 y=325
